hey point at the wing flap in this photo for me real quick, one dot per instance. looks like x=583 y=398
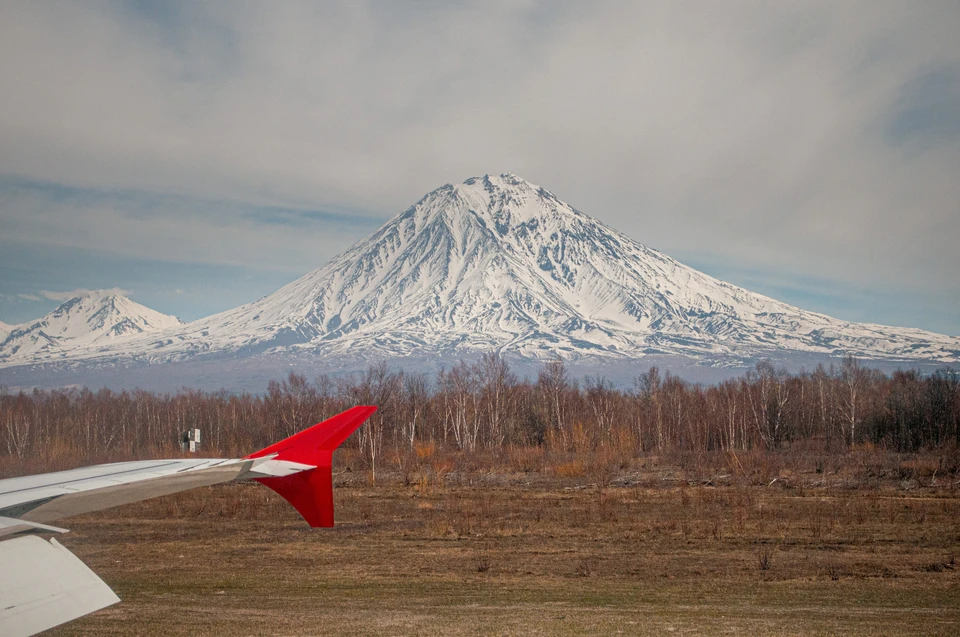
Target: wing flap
x=47 y=586
x=11 y=526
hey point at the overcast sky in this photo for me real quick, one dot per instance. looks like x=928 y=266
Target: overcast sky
x=201 y=155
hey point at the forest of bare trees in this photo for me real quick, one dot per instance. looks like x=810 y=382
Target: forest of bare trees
x=483 y=407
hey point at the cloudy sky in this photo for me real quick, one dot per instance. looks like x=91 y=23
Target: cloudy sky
x=201 y=155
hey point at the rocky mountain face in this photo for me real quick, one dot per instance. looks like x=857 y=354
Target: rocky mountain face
x=499 y=264
x=85 y=325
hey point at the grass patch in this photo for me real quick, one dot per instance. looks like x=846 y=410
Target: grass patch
x=529 y=558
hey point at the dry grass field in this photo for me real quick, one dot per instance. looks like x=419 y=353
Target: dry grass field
x=533 y=554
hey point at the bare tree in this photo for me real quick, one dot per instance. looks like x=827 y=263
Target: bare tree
x=769 y=394
x=600 y=396
x=381 y=387
x=483 y=404
x=553 y=384
x=648 y=390
x=851 y=380
x=415 y=398
x=497 y=396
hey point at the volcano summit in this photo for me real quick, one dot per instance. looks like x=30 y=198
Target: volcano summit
x=499 y=264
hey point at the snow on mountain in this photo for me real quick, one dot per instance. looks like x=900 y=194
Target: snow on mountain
x=87 y=324
x=499 y=264
x=5 y=329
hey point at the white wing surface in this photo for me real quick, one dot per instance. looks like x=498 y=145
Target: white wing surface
x=45 y=585
x=51 y=496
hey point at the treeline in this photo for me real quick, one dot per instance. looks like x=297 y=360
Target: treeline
x=484 y=406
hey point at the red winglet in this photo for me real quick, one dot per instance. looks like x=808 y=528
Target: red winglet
x=311 y=492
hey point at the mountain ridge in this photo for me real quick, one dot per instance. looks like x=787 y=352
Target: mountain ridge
x=499 y=264
x=88 y=322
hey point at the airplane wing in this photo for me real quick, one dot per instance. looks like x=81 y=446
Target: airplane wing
x=43 y=585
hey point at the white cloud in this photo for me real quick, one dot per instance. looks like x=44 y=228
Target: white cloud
x=81 y=293
x=176 y=229
x=757 y=135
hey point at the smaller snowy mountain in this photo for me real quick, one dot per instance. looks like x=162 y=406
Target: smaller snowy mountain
x=5 y=329
x=89 y=322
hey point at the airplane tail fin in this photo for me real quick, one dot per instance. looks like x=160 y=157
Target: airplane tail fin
x=311 y=492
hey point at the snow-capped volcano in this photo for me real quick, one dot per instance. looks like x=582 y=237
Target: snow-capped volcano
x=85 y=323
x=499 y=264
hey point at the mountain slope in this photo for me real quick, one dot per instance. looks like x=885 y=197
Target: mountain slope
x=497 y=263
x=87 y=323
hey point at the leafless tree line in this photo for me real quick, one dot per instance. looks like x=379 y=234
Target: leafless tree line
x=484 y=406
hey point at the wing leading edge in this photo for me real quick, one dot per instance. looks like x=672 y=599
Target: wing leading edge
x=63 y=588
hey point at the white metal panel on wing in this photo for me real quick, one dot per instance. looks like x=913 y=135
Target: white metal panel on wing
x=14 y=490
x=48 y=586
x=51 y=496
